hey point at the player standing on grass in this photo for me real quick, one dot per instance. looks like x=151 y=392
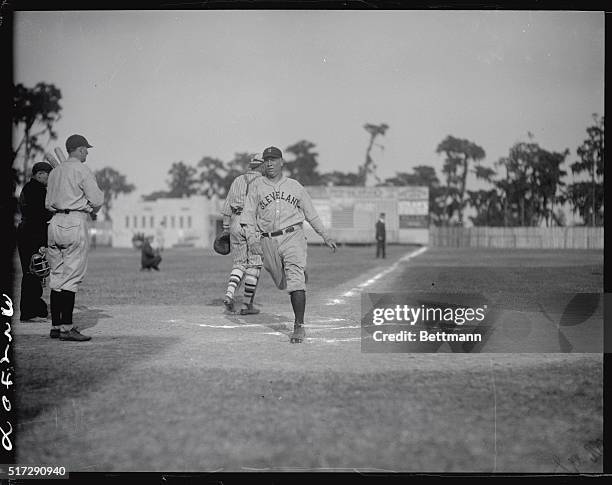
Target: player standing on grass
x=74 y=197
x=245 y=264
x=276 y=207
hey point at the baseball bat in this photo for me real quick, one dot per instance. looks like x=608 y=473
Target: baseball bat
x=60 y=155
x=51 y=159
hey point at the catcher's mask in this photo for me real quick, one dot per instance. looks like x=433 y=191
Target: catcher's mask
x=222 y=243
x=39 y=266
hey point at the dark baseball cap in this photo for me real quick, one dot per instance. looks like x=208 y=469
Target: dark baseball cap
x=272 y=152
x=41 y=167
x=75 y=141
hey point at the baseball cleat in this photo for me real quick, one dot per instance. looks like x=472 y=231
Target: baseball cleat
x=228 y=301
x=54 y=333
x=249 y=310
x=74 y=335
x=298 y=335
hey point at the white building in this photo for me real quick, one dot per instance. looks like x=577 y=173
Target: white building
x=173 y=222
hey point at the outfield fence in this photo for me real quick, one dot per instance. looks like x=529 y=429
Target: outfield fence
x=518 y=237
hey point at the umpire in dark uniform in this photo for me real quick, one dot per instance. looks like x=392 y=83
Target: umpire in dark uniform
x=381 y=236
x=31 y=236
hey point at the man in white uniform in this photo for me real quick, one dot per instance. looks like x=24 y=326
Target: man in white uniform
x=72 y=195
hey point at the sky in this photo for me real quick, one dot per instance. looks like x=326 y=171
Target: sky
x=149 y=88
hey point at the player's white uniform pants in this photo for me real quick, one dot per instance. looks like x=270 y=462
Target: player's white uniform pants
x=68 y=245
x=242 y=257
x=286 y=253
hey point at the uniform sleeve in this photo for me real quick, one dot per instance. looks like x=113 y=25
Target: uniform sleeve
x=48 y=202
x=231 y=195
x=311 y=215
x=90 y=187
x=248 y=216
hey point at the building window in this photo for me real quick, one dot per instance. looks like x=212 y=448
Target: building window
x=181 y=222
x=151 y=222
x=127 y=221
x=172 y=222
x=164 y=221
x=188 y=222
x=135 y=222
x=144 y=222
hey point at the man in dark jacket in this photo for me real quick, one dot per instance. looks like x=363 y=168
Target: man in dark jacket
x=150 y=258
x=381 y=236
x=31 y=237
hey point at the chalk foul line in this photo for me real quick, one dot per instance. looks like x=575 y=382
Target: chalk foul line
x=360 y=287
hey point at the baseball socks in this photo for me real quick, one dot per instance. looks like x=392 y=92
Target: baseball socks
x=67 y=310
x=298 y=302
x=251 y=279
x=234 y=280
x=68 y=332
x=56 y=313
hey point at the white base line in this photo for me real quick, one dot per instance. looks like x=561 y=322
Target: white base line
x=359 y=288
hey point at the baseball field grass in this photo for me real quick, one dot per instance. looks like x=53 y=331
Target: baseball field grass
x=171 y=382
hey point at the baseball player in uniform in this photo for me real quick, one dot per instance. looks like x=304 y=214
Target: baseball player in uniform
x=245 y=264
x=31 y=238
x=73 y=196
x=276 y=208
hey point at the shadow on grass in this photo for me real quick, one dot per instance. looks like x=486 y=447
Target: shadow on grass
x=88 y=317
x=52 y=371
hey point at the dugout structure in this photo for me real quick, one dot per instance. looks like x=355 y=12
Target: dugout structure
x=350 y=213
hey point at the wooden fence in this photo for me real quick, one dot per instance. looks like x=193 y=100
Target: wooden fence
x=518 y=237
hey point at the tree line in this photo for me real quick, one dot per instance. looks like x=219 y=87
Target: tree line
x=524 y=188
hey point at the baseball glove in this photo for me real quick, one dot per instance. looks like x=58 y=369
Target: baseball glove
x=222 y=243
x=39 y=266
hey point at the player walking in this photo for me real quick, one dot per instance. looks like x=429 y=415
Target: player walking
x=73 y=196
x=245 y=264
x=276 y=207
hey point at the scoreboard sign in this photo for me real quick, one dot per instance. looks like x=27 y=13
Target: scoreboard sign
x=413 y=211
x=351 y=212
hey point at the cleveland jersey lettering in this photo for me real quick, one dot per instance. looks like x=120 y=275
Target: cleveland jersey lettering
x=272 y=206
x=271 y=197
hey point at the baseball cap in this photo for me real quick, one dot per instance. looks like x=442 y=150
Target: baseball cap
x=272 y=152
x=41 y=167
x=76 y=141
x=256 y=160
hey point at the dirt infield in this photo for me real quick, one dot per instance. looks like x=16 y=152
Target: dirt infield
x=170 y=382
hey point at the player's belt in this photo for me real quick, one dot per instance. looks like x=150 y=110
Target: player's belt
x=67 y=211
x=282 y=231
